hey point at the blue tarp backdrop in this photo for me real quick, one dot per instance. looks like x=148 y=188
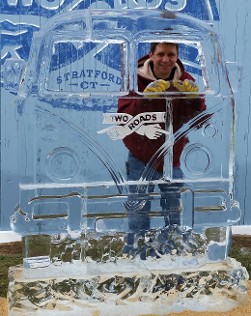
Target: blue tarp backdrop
x=19 y=20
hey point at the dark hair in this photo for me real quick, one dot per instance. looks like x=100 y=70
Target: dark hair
x=154 y=45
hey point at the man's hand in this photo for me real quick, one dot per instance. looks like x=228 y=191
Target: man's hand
x=115 y=132
x=157 y=86
x=185 y=86
x=151 y=131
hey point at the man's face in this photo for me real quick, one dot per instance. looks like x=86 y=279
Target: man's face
x=164 y=59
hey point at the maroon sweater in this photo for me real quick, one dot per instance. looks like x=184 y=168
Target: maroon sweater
x=184 y=110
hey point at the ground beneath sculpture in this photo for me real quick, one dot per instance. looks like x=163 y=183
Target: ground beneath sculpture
x=241 y=244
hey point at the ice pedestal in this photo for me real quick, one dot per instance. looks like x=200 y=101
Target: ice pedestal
x=134 y=289
x=175 y=275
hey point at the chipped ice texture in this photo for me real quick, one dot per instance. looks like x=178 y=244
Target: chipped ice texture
x=159 y=271
x=173 y=241
x=145 y=290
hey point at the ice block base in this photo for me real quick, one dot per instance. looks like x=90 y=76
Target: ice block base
x=99 y=291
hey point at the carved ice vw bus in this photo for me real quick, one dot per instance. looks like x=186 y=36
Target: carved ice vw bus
x=73 y=182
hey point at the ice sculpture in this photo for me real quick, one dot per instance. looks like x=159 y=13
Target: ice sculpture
x=94 y=240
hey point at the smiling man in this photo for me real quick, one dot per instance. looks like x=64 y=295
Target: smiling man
x=155 y=71
x=158 y=71
x=162 y=63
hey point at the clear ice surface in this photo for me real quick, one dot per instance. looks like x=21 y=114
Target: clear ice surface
x=90 y=235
